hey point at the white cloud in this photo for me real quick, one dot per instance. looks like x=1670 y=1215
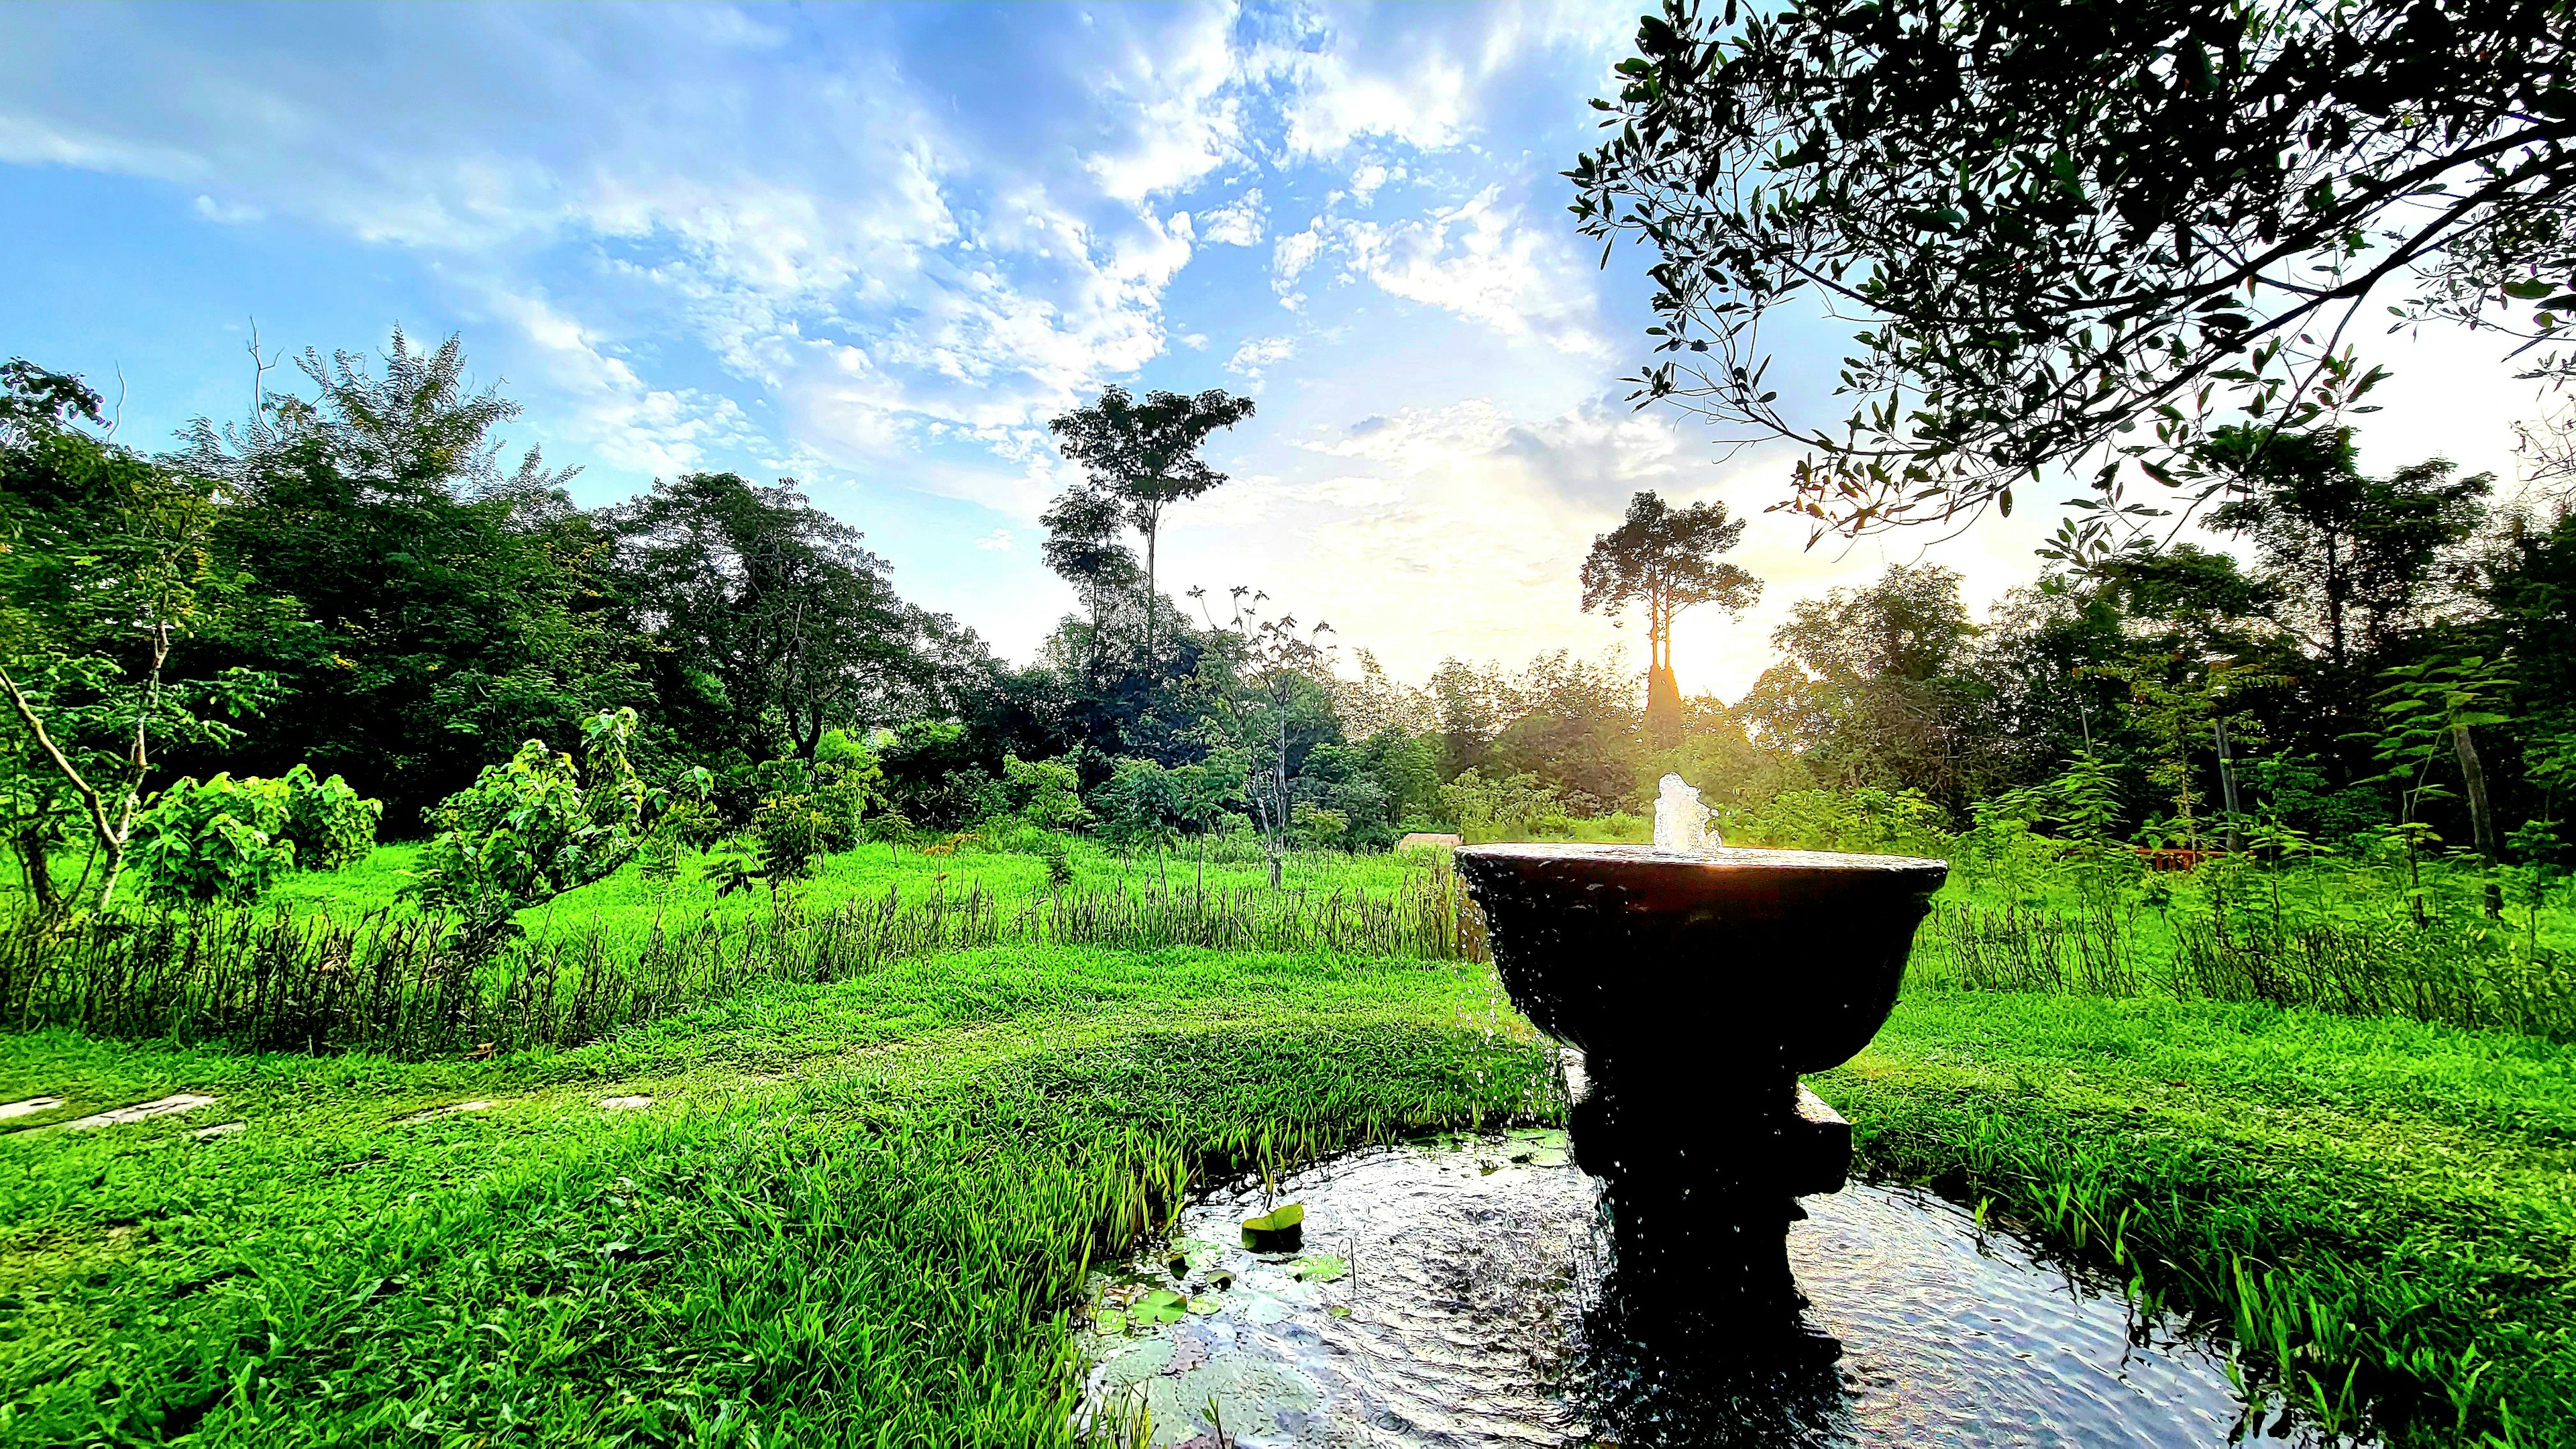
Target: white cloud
x=1481 y=260
x=1258 y=355
x=1290 y=256
x=1238 y=223
x=998 y=541
x=227 y=213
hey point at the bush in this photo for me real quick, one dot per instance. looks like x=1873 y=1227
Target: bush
x=1045 y=793
x=229 y=840
x=219 y=840
x=527 y=831
x=327 y=822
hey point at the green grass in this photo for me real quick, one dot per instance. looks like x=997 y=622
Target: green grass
x=854 y=1214
x=859 y=1213
x=2374 y=1208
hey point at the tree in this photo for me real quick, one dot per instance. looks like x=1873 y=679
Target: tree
x=771 y=622
x=1084 y=549
x=1271 y=708
x=105 y=568
x=2066 y=229
x=1876 y=688
x=1666 y=561
x=446 y=605
x=2348 y=554
x=1146 y=455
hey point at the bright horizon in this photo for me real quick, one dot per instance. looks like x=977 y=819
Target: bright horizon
x=875 y=249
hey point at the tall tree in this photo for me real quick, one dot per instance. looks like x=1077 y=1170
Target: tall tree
x=1876 y=687
x=1084 y=549
x=451 y=602
x=1665 y=560
x=2354 y=558
x=771 y=621
x=2065 y=229
x=1146 y=454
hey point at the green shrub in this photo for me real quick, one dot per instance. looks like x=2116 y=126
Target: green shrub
x=527 y=831
x=229 y=840
x=216 y=840
x=1045 y=793
x=328 y=823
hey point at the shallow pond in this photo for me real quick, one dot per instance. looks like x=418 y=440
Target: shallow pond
x=1454 y=1293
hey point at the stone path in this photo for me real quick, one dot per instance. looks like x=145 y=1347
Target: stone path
x=140 y=1111
x=624 y=1104
x=29 y=1107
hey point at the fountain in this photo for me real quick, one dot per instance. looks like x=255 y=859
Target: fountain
x=1700 y=982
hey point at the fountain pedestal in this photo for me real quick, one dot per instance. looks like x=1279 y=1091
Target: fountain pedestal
x=1700 y=986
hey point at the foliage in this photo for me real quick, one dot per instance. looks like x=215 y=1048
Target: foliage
x=1045 y=793
x=440 y=599
x=2066 y=231
x=219 y=840
x=105 y=570
x=1506 y=809
x=538 y=826
x=229 y=840
x=771 y=622
x=1146 y=456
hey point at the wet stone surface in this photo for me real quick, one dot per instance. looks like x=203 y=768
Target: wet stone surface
x=1455 y=1293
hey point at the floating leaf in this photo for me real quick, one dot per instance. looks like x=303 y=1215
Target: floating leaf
x=1159 y=1307
x=1110 y=1321
x=1220 y=1280
x=1279 y=1230
x=1322 y=1268
x=1205 y=1305
x=1337 y=1310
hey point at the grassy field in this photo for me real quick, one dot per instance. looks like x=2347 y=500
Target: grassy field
x=858 y=1206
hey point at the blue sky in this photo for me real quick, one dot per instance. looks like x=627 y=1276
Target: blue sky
x=876 y=247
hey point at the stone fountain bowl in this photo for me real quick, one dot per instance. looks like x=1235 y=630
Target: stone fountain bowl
x=1733 y=960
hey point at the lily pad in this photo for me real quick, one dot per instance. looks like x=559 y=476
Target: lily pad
x=1322 y=1268
x=1111 y=1322
x=1279 y=1230
x=1204 y=1305
x=1159 y=1307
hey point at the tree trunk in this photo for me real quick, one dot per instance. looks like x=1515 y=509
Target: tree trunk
x=1151 y=532
x=32 y=846
x=2481 y=814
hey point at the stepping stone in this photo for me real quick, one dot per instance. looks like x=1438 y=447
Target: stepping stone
x=220 y=1129
x=140 y=1111
x=623 y=1104
x=29 y=1107
x=435 y=1113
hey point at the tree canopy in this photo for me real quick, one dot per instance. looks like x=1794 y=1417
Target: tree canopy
x=2075 y=234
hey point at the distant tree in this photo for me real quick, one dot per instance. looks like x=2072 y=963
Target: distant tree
x=769 y=617
x=1665 y=561
x=1269 y=709
x=1876 y=688
x=2354 y=558
x=449 y=602
x=2065 y=229
x=1084 y=549
x=1146 y=454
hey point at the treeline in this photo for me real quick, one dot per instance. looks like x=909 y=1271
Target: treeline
x=355 y=580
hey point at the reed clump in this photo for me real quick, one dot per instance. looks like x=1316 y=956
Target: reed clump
x=404 y=982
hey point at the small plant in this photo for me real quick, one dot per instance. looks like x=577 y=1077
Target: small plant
x=229 y=840
x=1058 y=859
x=537 y=826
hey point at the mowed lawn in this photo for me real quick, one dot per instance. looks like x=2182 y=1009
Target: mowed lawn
x=860 y=1213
